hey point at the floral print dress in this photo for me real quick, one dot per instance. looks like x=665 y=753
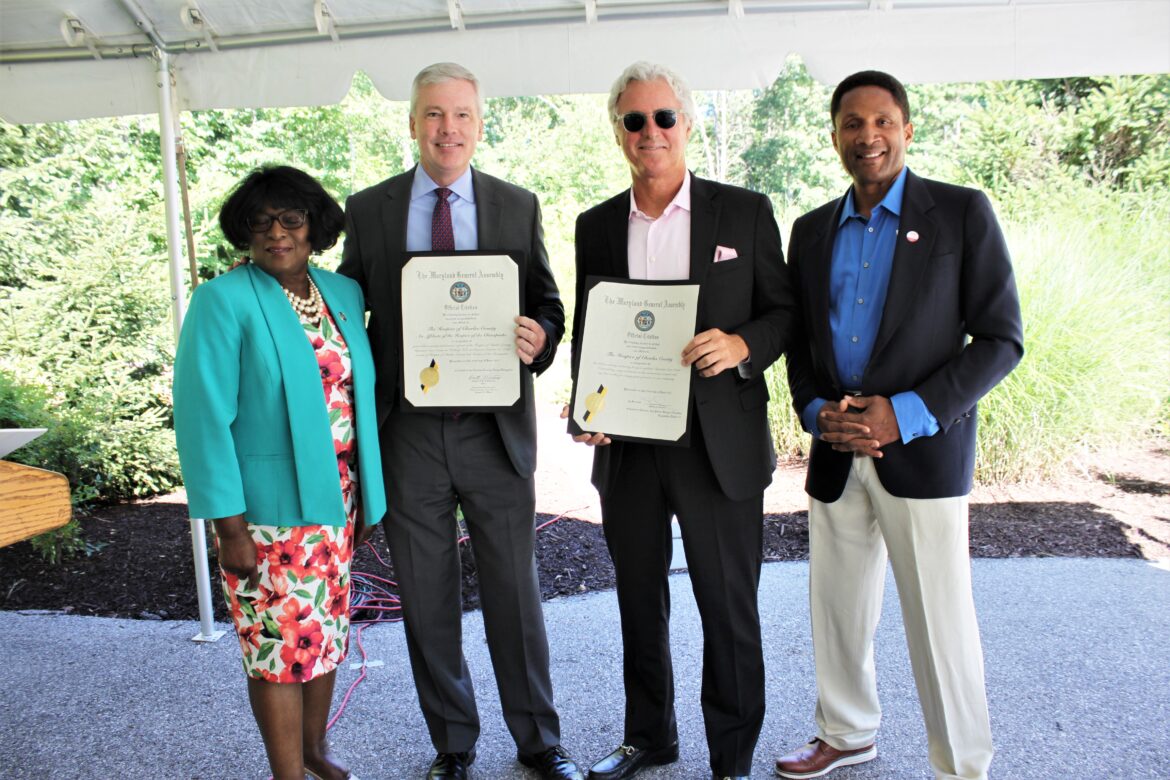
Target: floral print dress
x=294 y=625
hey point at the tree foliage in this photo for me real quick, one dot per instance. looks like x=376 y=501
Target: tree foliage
x=790 y=157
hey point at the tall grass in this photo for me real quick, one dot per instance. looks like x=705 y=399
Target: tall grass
x=1094 y=279
x=790 y=439
x=1095 y=291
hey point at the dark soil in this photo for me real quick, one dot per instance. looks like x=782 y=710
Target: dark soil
x=140 y=563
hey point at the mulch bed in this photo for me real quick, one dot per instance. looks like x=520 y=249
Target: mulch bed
x=140 y=563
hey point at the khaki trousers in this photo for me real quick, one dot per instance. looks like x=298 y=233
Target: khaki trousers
x=926 y=541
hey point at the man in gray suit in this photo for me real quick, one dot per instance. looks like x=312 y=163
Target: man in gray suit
x=483 y=462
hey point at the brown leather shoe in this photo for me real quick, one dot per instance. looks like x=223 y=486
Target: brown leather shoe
x=819 y=758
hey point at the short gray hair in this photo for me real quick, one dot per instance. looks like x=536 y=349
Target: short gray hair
x=649 y=71
x=440 y=72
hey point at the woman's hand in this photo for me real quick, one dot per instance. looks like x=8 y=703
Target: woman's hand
x=237 y=551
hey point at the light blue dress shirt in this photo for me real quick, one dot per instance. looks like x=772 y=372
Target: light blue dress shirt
x=863 y=258
x=422 y=208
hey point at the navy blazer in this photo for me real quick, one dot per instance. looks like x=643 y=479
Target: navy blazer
x=507 y=219
x=950 y=331
x=749 y=295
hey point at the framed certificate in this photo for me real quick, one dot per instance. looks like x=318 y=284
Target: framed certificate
x=630 y=382
x=458 y=331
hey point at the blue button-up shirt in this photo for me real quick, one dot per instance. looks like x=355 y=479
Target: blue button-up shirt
x=863 y=257
x=422 y=208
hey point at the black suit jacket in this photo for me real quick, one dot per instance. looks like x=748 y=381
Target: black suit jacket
x=749 y=295
x=954 y=282
x=508 y=220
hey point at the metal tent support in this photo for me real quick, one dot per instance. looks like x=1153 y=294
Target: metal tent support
x=168 y=122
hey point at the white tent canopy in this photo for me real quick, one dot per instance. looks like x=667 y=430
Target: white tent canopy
x=76 y=59
x=69 y=59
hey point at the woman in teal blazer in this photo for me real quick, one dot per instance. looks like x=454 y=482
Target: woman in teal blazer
x=274 y=393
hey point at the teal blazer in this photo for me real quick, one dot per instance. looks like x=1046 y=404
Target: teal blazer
x=250 y=418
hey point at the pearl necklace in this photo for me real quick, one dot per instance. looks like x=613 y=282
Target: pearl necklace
x=309 y=309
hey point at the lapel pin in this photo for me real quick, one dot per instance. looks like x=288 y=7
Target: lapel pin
x=912 y=236
x=342 y=315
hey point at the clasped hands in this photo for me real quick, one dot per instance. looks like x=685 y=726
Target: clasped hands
x=861 y=424
x=710 y=352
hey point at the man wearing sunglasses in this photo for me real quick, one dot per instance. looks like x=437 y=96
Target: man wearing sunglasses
x=483 y=462
x=672 y=225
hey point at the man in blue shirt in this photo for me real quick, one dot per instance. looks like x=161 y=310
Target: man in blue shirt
x=910 y=315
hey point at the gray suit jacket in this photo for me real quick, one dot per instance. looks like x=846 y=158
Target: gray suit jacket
x=950 y=330
x=508 y=220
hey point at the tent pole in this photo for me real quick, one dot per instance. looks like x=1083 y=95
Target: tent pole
x=167 y=127
x=167 y=136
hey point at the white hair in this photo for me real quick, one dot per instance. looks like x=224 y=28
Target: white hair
x=649 y=71
x=439 y=73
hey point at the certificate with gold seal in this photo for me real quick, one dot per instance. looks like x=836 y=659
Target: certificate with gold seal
x=630 y=382
x=458 y=331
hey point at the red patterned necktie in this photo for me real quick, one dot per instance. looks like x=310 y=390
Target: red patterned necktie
x=442 y=233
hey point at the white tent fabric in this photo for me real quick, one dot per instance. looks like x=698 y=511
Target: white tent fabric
x=247 y=54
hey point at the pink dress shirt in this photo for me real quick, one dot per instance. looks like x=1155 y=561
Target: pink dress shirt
x=661 y=248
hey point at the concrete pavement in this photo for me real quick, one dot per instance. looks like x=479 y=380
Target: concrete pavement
x=1078 y=669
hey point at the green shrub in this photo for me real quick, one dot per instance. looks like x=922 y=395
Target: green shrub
x=106 y=453
x=60 y=545
x=86 y=317
x=1094 y=287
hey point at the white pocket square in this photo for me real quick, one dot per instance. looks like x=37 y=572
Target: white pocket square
x=725 y=253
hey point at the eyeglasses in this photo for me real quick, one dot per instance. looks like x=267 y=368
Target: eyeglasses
x=289 y=219
x=665 y=118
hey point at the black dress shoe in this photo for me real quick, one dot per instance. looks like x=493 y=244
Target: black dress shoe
x=553 y=764
x=451 y=766
x=628 y=761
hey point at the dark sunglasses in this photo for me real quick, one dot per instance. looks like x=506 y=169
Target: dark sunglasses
x=665 y=118
x=289 y=219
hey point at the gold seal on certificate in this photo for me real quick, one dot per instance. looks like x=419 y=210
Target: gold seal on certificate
x=630 y=382
x=458 y=340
